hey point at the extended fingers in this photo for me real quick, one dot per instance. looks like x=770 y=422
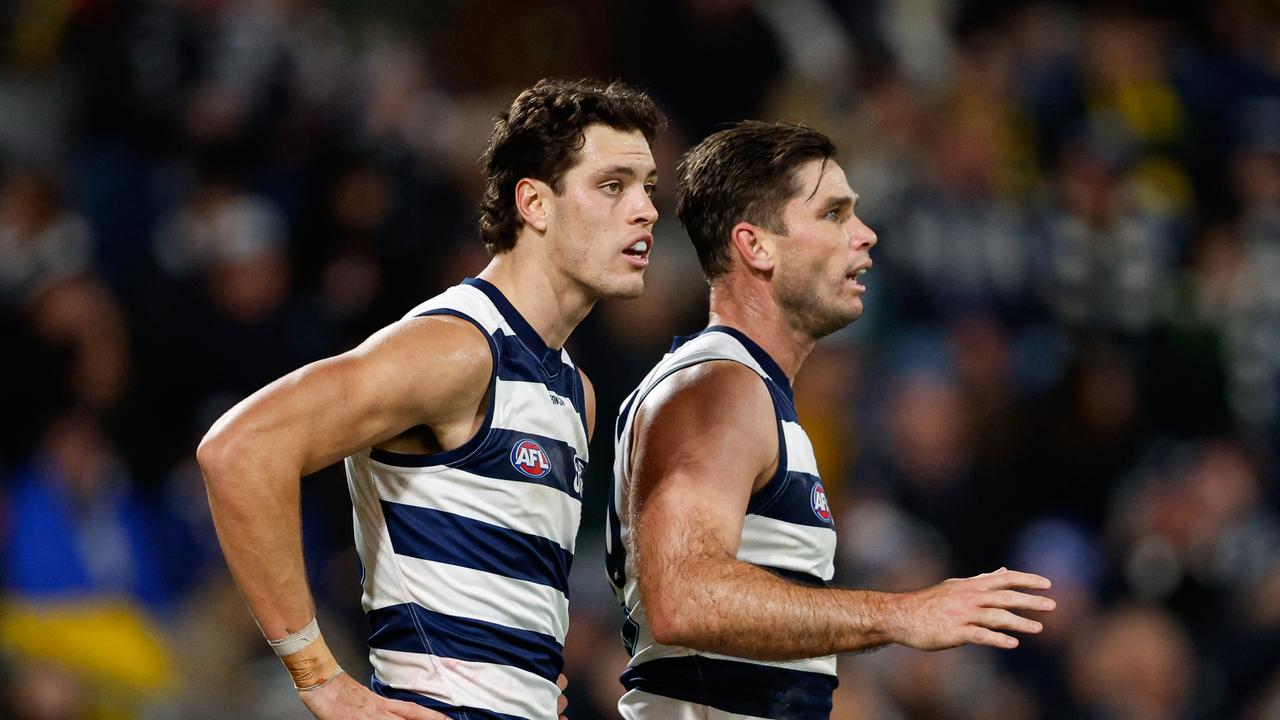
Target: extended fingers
x=1002 y=578
x=998 y=619
x=1014 y=600
x=978 y=635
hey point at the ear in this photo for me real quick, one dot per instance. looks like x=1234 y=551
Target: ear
x=755 y=245
x=531 y=202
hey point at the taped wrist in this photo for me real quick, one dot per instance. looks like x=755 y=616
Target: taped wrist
x=307 y=658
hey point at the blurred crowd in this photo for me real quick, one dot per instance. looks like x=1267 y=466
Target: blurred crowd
x=1070 y=362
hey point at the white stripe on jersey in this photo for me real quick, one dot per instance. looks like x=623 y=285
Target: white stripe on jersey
x=825 y=664
x=383 y=583
x=522 y=408
x=799 y=449
x=521 y=506
x=464 y=592
x=788 y=546
x=500 y=688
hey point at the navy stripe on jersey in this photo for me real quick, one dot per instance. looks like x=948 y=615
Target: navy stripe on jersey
x=795 y=503
x=548 y=359
x=509 y=313
x=407 y=627
x=495 y=460
x=515 y=362
x=761 y=499
x=440 y=536
x=736 y=687
x=458 y=713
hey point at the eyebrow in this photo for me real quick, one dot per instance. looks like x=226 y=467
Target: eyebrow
x=626 y=170
x=839 y=202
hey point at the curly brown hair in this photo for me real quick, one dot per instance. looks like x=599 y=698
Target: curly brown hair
x=539 y=137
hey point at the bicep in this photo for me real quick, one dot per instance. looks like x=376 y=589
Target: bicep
x=699 y=448
x=418 y=372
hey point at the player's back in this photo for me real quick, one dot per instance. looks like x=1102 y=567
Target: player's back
x=466 y=553
x=788 y=530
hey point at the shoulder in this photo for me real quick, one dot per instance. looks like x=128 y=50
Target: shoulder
x=454 y=352
x=719 y=383
x=427 y=334
x=710 y=398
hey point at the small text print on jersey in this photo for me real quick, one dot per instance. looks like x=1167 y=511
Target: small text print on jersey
x=529 y=458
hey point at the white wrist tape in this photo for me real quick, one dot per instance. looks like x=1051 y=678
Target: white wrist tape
x=295 y=642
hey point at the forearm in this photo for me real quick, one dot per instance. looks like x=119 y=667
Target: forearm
x=730 y=607
x=254 y=501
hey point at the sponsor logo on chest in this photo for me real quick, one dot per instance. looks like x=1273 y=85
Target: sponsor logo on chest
x=818 y=501
x=530 y=459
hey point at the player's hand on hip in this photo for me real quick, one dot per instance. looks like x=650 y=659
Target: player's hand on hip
x=979 y=610
x=346 y=699
x=562 y=682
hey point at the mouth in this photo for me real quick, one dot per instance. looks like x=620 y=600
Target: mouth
x=638 y=251
x=855 y=275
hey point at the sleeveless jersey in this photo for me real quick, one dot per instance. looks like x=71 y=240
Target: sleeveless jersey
x=465 y=554
x=788 y=530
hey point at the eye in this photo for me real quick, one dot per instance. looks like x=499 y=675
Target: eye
x=613 y=187
x=649 y=189
x=832 y=215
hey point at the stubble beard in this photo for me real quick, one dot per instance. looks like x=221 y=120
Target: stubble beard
x=807 y=309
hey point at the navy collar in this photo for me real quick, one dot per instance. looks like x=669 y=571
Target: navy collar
x=524 y=331
x=770 y=367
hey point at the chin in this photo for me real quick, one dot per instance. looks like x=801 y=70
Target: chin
x=621 y=289
x=838 y=319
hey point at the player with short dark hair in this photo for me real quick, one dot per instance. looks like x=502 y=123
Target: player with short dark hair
x=464 y=428
x=721 y=540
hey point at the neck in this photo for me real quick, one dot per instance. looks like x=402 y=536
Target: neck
x=551 y=304
x=749 y=308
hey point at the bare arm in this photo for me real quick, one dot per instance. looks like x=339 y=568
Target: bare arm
x=589 y=399
x=424 y=371
x=703 y=442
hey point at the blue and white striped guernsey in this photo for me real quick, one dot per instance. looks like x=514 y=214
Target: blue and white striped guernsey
x=788 y=530
x=466 y=553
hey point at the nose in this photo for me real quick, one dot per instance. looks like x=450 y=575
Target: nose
x=645 y=212
x=860 y=235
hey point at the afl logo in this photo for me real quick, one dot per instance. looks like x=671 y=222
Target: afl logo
x=818 y=499
x=530 y=459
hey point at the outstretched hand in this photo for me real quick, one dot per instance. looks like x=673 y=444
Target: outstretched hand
x=976 y=610
x=345 y=699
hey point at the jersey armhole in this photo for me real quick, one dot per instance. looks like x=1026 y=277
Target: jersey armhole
x=476 y=441
x=764 y=497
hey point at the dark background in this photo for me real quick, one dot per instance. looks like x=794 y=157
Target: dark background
x=1070 y=363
